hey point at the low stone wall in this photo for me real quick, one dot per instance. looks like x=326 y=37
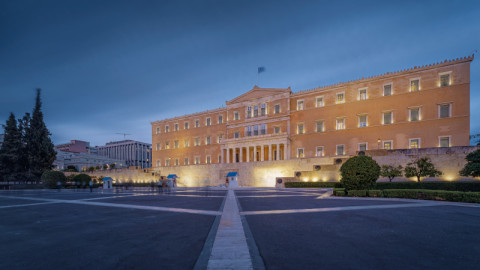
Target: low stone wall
x=263 y=173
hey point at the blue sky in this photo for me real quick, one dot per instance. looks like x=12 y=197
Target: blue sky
x=110 y=67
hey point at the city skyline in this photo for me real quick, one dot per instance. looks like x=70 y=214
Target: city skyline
x=117 y=72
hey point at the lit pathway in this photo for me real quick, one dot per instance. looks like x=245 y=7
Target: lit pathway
x=230 y=249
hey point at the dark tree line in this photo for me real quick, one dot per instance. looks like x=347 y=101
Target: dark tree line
x=27 y=150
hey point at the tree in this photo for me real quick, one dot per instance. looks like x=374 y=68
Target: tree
x=23 y=126
x=90 y=169
x=359 y=172
x=391 y=171
x=105 y=166
x=82 y=178
x=10 y=153
x=71 y=168
x=421 y=167
x=112 y=166
x=472 y=168
x=41 y=153
x=51 y=178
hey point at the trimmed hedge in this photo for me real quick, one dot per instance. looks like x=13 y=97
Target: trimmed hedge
x=454 y=196
x=375 y=193
x=451 y=186
x=310 y=184
x=357 y=193
x=341 y=190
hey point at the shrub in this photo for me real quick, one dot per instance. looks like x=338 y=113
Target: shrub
x=82 y=178
x=401 y=193
x=391 y=171
x=357 y=193
x=336 y=190
x=472 y=168
x=50 y=178
x=421 y=167
x=471 y=197
x=359 y=172
x=310 y=184
x=340 y=193
x=440 y=185
x=375 y=193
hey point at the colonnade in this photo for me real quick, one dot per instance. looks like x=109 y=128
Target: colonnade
x=261 y=152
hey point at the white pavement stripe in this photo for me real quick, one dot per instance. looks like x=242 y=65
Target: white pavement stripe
x=121 y=205
x=325 y=195
x=230 y=249
x=333 y=209
x=27 y=204
x=274 y=196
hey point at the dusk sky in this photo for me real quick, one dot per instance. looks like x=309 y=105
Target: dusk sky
x=108 y=67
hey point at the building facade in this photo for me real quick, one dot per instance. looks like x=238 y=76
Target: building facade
x=421 y=107
x=76 y=146
x=83 y=161
x=134 y=153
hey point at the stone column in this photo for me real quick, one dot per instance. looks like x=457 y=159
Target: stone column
x=285 y=151
x=228 y=154
x=262 y=152
x=235 y=155
x=270 y=152
x=248 y=153
x=255 y=153
x=278 y=151
x=241 y=154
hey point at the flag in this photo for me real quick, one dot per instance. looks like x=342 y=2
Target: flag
x=261 y=69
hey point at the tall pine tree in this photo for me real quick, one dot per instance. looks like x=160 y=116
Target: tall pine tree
x=41 y=153
x=10 y=152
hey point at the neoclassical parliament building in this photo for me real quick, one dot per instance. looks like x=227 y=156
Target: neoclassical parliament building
x=421 y=107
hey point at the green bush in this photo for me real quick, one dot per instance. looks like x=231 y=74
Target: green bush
x=471 y=197
x=51 y=178
x=375 y=193
x=357 y=193
x=401 y=193
x=310 y=184
x=359 y=172
x=335 y=190
x=82 y=178
x=444 y=185
x=340 y=193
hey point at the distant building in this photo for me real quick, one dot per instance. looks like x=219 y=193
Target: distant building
x=76 y=146
x=83 y=161
x=1 y=139
x=133 y=152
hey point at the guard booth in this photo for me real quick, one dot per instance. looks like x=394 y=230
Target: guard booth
x=172 y=178
x=231 y=180
x=107 y=183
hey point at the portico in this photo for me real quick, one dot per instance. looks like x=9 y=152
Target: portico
x=264 y=148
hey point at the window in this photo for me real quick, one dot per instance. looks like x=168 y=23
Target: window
x=340 y=123
x=414 y=85
x=255 y=130
x=175 y=127
x=186 y=143
x=219 y=139
x=158 y=130
x=167 y=162
x=340 y=98
x=263 y=110
x=236 y=135
x=444 y=111
x=263 y=129
x=255 y=111
x=176 y=162
x=319 y=151
x=220 y=119
x=207 y=140
x=167 y=145
x=319 y=126
x=167 y=129
x=185 y=125
x=209 y=121
x=249 y=112
x=276 y=130
x=340 y=149
x=300 y=153
x=444 y=141
x=276 y=109
x=208 y=160
x=414 y=143
x=300 y=129
x=197 y=141
x=157 y=147
x=387 y=90
x=236 y=116
x=414 y=114
x=319 y=102
x=219 y=158
x=362 y=94
x=299 y=105
x=362 y=120
x=175 y=144
x=387 y=118
x=185 y=162
x=158 y=163
x=197 y=160
x=197 y=123
x=362 y=147
x=444 y=79
x=248 y=131
x=388 y=145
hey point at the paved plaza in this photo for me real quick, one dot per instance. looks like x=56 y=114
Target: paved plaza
x=246 y=228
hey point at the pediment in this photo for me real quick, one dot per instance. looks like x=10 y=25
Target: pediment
x=258 y=92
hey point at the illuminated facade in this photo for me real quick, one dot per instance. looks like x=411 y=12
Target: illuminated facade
x=421 y=107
